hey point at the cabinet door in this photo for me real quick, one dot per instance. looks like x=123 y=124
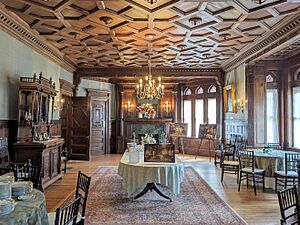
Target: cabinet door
x=46 y=166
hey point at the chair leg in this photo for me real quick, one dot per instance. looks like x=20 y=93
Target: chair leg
x=275 y=183
x=237 y=177
x=254 y=184
x=215 y=159
x=240 y=180
x=65 y=169
x=264 y=187
x=247 y=180
x=222 y=175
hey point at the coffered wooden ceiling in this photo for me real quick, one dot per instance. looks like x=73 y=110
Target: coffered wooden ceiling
x=223 y=29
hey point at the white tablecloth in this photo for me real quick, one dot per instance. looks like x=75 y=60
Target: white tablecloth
x=136 y=175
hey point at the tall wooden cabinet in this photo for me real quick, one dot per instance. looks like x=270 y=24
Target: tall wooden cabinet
x=35 y=141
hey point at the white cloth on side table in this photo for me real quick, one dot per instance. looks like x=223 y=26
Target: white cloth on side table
x=138 y=174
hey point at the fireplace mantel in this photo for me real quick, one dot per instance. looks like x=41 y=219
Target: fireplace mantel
x=148 y=121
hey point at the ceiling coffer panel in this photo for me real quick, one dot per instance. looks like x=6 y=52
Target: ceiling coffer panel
x=181 y=33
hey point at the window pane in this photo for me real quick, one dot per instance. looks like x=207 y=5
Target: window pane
x=296 y=116
x=198 y=114
x=187 y=115
x=272 y=116
x=212 y=110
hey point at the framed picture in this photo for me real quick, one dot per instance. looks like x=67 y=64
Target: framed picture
x=159 y=153
x=229 y=98
x=207 y=131
x=178 y=129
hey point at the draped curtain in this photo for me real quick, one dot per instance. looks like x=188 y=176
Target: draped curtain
x=296 y=117
x=272 y=116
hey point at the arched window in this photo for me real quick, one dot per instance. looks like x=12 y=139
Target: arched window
x=187 y=91
x=212 y=89
x=199 y=91
x=272 y=101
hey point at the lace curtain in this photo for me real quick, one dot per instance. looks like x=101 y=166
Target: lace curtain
x=272 y=116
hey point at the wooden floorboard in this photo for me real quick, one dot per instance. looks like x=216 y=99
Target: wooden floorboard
x=261 y=209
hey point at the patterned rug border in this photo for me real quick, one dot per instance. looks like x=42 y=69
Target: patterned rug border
x=212 y=191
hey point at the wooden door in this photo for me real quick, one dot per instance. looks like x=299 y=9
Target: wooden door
x=80 y=129
x=99 y=127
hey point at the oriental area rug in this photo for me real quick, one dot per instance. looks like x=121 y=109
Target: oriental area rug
x=197 y=203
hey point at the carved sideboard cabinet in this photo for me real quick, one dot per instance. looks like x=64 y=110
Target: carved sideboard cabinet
x=35 y=141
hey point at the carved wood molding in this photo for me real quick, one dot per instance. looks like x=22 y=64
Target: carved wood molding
x=66 y=88
x=280 y=35
x=18 y=29
x=136 y=73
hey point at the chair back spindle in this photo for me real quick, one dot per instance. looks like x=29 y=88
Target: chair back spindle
x=82 y=189
x=68 y=214
x=289 y=206
x=247 y=159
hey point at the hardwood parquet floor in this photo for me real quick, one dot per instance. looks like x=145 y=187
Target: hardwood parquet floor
x=261 y=209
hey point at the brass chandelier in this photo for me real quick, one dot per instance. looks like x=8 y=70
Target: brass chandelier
x=149 y=90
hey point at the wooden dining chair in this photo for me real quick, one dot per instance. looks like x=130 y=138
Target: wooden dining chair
x=288 y=176
x=4 y=156
x=66 y=215
x=228 y=151
x=289 y=206
x=27 y=172
x=228 y=166
x=248 y=171
x=82 y=190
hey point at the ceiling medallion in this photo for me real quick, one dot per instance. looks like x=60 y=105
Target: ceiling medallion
x=73 y=34
x=225 y=35
x=151 y=1
x=181 y=46
x=106 y=19
x=206 y=55
x=195 y=20
x=150 y=36
x=258 y=1
x=149 y=90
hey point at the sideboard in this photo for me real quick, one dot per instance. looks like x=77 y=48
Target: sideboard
x=46 y=154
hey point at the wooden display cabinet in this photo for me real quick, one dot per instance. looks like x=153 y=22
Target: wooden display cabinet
x=35 y=141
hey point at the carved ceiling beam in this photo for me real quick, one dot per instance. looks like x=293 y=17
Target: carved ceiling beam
x=134 y=72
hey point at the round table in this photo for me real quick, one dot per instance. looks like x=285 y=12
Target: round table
x=29 y=212
x=138 y=174
x=270 y=161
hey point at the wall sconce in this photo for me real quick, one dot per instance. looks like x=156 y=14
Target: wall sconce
x=58 y=103
x=240 y=104
x=128 y=107
x=166 y=107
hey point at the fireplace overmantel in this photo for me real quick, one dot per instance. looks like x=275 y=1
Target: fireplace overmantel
x=148 y=121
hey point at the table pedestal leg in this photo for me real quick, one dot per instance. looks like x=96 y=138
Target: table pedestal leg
x=152 y=186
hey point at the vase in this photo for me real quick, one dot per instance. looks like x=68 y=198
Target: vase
x=152 y=116
x=140 y=115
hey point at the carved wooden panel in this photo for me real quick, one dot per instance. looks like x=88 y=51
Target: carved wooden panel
x=46 y=170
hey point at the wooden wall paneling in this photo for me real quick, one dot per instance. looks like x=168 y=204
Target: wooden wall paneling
x=251 y=103
x=259 y=110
